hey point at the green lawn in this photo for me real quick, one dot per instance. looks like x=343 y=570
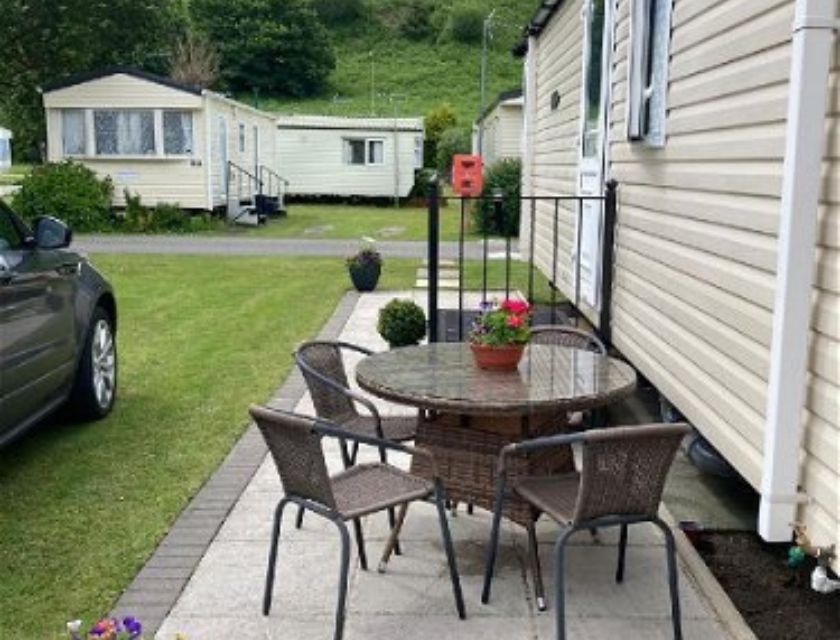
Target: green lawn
x=356 y=221
x=15 y=174
x=83 y=506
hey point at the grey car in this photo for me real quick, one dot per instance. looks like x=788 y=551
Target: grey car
x=58 y=322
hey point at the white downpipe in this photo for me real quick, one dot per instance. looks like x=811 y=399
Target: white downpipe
x=529 y=127
x=813 y=38
x=208 y=152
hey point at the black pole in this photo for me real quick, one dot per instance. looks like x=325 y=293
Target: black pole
x=610 y=215
x=434 y=256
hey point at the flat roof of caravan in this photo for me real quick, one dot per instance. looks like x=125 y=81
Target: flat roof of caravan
x=342 y=123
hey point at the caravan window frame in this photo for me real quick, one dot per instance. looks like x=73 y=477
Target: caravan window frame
x=155 y=121
x=648 y=65
x=368 y=156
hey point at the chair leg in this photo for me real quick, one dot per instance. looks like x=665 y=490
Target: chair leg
x=670 y=550
x=392 y=518
x=493 y=547
x=450 y=552
x=392 y=539
x=560 y=584
x=299 y=519
x=622 y=552
x=341 y=607
x=360 y=543
x=536 y=570
x=272 y=555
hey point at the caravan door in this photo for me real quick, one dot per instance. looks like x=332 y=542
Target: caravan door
x=597 y=62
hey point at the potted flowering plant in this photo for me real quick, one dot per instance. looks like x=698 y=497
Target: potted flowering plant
x=499 y=334
x=365 y=266
x=107 y=629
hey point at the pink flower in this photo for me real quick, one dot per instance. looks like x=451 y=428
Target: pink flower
x=516 y=306
x=514 y=321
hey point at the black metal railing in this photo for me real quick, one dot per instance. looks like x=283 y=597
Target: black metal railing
x=530 y=208
x=241 y=190
x=273 y=185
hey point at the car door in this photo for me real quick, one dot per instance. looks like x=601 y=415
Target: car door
x=37 y=325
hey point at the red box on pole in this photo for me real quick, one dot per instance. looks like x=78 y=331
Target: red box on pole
x=467 y=174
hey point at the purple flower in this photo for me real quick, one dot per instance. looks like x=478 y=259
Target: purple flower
x=133 y=626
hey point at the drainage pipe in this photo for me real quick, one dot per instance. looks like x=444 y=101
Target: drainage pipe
x=813 y=36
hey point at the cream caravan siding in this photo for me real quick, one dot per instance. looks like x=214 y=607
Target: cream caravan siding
x=552 y=168
x=821 y=468
x=697 y=220
x=312 y=160
x=503 y=132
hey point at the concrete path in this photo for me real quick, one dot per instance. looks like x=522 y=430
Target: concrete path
x=245 y=246
x=218 y=595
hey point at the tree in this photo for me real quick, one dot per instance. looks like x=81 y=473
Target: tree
x=453 y=141
x=438 y=120
x=338 y=12
x=46 y=40
x=194 y=61
x=278 y=46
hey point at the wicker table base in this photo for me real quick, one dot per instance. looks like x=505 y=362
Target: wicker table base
x=466 y=450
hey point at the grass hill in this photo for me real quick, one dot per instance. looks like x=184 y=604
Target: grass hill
x=409 y=77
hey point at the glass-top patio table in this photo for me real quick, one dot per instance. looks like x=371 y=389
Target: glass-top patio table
x=471 y=413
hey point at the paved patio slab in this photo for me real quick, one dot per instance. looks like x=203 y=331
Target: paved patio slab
x=222 y=596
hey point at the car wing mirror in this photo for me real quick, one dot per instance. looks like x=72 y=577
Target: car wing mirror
x=51 y=233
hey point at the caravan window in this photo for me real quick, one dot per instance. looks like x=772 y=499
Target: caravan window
x=124 y=132
x=364 y=151
x=177 y=133
x=418 y=152
x=73 y=133
x=650 y=37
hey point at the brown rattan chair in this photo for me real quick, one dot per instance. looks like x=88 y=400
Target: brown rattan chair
x=575 y=338
x=295 y=443
x=322 y=365
x=620 y=483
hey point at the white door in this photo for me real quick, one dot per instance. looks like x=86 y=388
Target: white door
x=223 y=156
x=597 y=58
x=256 y=141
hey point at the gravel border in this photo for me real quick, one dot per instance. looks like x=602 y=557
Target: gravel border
x=159 y=584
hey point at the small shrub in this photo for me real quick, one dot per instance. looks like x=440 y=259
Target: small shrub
x=422 y=180
x=504 y=174
x=437 y=120
x=465 y=24
x=452 y=141
x=69 y=191
x=402 y=323
x=163 y=217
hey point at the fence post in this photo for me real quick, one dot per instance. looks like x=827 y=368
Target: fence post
x=607 y=261
x=434 y=256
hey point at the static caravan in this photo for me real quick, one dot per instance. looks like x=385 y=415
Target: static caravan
x=720 y=122
x=498 y=132
x=166 y=141
x=5 y=149
x=338 y=156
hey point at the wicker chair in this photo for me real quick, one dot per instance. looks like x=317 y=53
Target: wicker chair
x=621 y=483
x=295 y=444
x=322 y=365
x=567 y=336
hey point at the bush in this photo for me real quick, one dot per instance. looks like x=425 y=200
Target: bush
x=402 y=323
x=504 y=174
x=69 y=191
x=163 y=217
x=415 y=22
x=422 y=179
x=338 y=12
x=437 y=120
x=452 y=141
x=465 y=24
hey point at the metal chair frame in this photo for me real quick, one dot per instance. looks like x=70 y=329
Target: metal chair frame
x=435 y=494
x=623 y=520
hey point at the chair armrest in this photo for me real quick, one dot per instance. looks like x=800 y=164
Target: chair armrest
x=354 y=347
x=326 y=429
x=515 y=448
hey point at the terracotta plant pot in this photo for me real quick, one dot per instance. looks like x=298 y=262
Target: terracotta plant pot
x=497 y=357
